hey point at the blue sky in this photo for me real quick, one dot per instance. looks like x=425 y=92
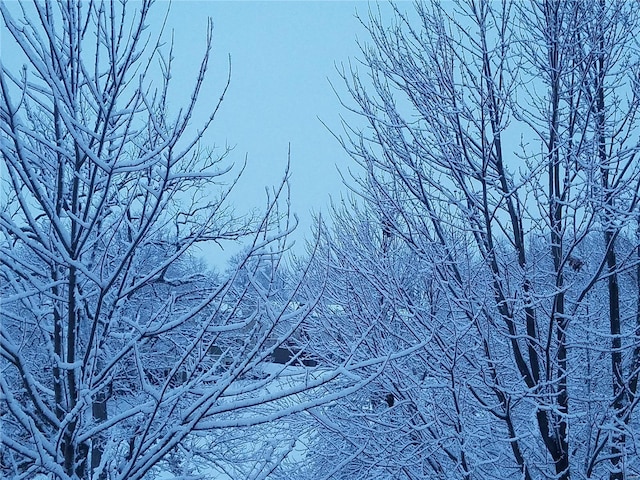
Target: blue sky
x=283 y=55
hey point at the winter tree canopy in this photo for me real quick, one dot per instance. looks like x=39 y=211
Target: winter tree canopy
x=498 y=221
x=472 y=311
x=122 y=355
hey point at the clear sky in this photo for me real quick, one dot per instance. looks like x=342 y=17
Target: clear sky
x=283 y=56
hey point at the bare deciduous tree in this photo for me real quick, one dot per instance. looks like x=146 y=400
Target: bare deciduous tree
x=121 y=354
x=501 y=149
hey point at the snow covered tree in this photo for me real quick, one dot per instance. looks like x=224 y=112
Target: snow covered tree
x=121 y=355
x=501 y=150
x=381 y=299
